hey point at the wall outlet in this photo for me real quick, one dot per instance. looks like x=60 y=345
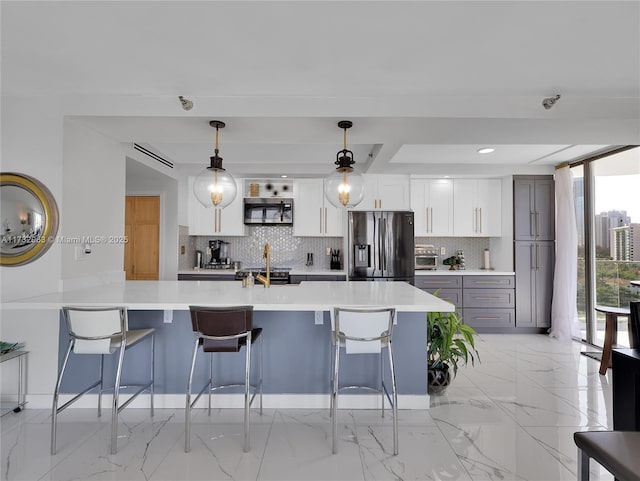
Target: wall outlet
x=167 y=317
x=443 y=251
x=319 y=317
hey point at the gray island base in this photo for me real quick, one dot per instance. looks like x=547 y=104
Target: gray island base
x=296 y=344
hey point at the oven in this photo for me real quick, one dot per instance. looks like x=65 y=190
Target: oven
x=426 y=257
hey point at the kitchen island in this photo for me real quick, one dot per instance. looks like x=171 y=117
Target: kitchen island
x=296 y=336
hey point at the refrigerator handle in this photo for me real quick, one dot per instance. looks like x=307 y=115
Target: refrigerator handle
x=379 y=246
x=383 y=233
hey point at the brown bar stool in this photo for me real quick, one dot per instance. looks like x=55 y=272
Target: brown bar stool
x=611 y=333
x=223 y=329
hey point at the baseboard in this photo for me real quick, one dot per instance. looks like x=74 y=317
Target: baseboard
x=270 y=401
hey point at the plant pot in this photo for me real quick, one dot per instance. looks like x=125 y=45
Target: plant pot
x=438 y=378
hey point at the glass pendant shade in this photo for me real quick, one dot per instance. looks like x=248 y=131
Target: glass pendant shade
x=344 y=189
x=215 y=188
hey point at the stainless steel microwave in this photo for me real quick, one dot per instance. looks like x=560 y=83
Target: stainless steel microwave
x=268 y=211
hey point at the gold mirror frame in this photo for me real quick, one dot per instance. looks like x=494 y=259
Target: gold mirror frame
x=46 y=237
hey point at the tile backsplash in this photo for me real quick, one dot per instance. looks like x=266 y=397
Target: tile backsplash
x=473 y=248
x=290 y=251
x=286 y=250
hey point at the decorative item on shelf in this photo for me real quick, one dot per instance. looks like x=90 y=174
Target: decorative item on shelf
x=449 y=342
x=269 y=187
x=254 y=190
x=285 y=188
x=486 y=259
x=214 y=186
x=452 y=262
x=344 y=187
x=460 y=255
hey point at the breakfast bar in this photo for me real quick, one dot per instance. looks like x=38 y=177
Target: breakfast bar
x=296 y=328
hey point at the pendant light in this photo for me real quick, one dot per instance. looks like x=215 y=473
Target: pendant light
x=345 y=187
x=214 y=186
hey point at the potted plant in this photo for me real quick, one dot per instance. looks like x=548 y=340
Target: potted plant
x=449 y=342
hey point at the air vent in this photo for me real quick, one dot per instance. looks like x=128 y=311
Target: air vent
x=153 y=155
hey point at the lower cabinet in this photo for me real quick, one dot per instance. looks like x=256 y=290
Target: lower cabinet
x=484 y=302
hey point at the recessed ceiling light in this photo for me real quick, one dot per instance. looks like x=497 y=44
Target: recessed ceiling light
x=283 y=176
x=485 y=150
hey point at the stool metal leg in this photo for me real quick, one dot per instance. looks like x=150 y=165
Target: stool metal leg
x=261 y=349
x=101 y=385
x=334 y=397
x=187 y=410
x=56 y=394
x=116 y=397
x=382 y=382
x=395 y=399
x=247 y=372
x=153 y=369
x=210 y=382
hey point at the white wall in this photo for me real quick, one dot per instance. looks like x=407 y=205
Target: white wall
x=93 y=205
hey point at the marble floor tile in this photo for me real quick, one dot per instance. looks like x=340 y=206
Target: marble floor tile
x=510 y=417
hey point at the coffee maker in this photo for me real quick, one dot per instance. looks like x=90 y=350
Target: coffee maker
x=219 y=252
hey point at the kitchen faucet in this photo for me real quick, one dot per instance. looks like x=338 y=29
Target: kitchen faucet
x=267 y=255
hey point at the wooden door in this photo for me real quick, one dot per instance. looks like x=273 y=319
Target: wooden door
x=142 y=226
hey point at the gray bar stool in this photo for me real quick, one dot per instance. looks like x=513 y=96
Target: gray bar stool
x=223 y=329
x=360 y=331
x=101 y=330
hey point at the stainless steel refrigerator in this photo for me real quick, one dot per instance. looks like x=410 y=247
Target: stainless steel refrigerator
x=381 y=246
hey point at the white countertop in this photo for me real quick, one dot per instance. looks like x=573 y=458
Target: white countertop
x=178 y=295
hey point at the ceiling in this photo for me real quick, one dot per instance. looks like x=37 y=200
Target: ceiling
x=426 y=83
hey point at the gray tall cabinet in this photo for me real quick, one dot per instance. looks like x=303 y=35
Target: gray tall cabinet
x=534 y=238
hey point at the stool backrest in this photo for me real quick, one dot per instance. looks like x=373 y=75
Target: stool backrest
x=95 y=330
x=221 y=322
x=634 y=320
x=363 y=329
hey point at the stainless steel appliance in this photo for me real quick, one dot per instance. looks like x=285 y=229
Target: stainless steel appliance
x=426 y=256
x=381 y=246
x=268 y=211
x=219 y=253
x=278 y=275
x=199 y=260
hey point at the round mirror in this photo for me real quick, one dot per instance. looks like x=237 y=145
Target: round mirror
x=29 y=217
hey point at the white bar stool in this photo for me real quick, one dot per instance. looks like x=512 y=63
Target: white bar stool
x=101 y=330
x=363 y=331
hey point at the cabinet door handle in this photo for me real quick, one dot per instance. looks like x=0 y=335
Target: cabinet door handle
x=531 y=223
x=537 y=257
x=431 y=219
x=486 y=298
x=426 y=219
x=537 y=224
x=531 y=263
x=325 y=220
x=320 y=217
x=480 y=220
x=488 y=318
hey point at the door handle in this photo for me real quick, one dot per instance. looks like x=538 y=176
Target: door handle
x=480 y=232
x=537 y=257
x=531 y=263
x=537 y=224
x=320 y=217
x=431 y=219
x=426 y=219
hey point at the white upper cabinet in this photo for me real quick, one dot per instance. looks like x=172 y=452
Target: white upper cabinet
x=432 y=204
x=477 y=207
x=385 y=192
x=313 y=215
x=215 y=221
